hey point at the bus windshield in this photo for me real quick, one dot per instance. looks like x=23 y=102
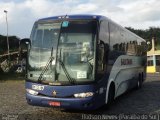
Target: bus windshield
x=72 y=45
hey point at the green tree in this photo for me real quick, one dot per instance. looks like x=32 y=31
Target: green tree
x=13 y=43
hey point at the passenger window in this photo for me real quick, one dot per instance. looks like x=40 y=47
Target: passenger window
x=104 y=32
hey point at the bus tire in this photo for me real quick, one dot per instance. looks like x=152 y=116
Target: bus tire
x=111 y=94
x=139 y=81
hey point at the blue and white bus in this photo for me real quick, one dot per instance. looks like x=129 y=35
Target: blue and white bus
x=82 y=62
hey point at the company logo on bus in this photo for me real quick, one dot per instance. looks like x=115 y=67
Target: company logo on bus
x=126 y=61
x=54 y=93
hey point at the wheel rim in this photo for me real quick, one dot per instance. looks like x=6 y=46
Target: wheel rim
x=138 y=83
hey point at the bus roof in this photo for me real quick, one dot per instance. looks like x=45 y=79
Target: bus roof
x=97 y=17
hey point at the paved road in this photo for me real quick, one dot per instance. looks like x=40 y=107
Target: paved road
x=143 y=101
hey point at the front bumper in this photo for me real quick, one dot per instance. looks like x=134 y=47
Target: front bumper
x=67 y=103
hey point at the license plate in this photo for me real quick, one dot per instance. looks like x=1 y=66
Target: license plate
x=54 y=103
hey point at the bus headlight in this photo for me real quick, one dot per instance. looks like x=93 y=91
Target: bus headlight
x=83 y=95
x=32 y=92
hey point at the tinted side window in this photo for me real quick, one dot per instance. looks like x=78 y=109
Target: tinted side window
x=104 y=32
x=117 y=38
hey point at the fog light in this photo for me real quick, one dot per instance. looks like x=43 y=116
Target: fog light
x=83 y=95
x=32 y=92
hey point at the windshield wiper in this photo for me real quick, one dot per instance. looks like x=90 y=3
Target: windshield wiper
x=51 y=58
x=71 y=80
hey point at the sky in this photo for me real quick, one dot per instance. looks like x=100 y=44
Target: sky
x=138 y=14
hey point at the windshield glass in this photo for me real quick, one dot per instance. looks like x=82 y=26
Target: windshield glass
x=76 y=49
x=70 y=43
x=44 y=37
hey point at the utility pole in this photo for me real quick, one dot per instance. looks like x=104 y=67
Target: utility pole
x=5 y=11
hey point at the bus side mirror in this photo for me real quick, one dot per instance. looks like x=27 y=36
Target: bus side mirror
x=24 y=47
x=23 y=50
x=25 y=43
